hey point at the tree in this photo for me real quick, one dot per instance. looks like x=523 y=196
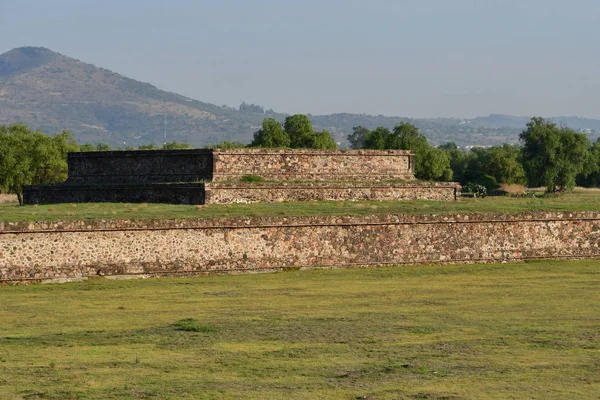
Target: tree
x=297 y=132
x=102 y=147
x=358 y=136
x=504 y=164
x=591 y=174
x=476 y=170
x=28 y=158
x=553 y=156
x=175 y=145
x=299 y=129
x=323 y=140
x=433 y=164
x=271 y=135
x=377 y=139
x=87 y=147
x=253 y=108
x=227 y=145
x=458 y=160
x=430 y=163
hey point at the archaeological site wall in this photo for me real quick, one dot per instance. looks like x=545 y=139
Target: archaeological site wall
x=76 y=249
x=261 y=192
x=179 y=176
x=145 y=166
x=297 y=165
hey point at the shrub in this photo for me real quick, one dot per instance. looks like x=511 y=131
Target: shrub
x=192 y=325
x=252 y=178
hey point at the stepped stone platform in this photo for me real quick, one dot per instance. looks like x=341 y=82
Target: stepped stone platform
x=202 y=176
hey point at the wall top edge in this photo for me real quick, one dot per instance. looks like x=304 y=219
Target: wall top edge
x=274 y=222
x=328 y=185
x=136 y=153
x=313 y=152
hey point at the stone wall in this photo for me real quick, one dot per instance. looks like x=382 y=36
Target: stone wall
x=332 y=165
x=179 y=193
x=126 y=176
x=73 y=249
x=237 y=192
x=108 y=167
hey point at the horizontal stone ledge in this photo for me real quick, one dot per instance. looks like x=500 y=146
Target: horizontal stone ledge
x=303 y=267
x=311 y=152
x=301 y=221
x=328 y=185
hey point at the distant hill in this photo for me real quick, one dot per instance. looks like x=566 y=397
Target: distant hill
x=498 y=120
x=53 y=92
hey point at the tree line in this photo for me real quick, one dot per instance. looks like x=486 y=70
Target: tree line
x=555 y=157
x=551 y=156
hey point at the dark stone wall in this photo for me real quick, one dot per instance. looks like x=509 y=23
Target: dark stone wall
x=140 y=166
x=182 y=193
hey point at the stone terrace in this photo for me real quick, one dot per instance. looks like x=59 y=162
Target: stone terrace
x=213 y=176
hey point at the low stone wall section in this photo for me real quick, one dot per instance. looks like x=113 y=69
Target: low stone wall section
x=328 y=165
x=178 y=193
x=75 y=249
x=223 y=193
x=135 y=166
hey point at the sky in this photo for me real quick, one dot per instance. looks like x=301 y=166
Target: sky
x=408 y=58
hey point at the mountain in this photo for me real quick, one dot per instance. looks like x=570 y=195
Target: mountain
x=53 y=92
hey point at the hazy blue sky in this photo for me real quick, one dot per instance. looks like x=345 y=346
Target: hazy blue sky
x=415 y=58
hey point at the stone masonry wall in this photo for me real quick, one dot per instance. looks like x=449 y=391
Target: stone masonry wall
x=334 y=165
x=237 y=192
x=136 y=166
x=178 y=193
x=73 y=249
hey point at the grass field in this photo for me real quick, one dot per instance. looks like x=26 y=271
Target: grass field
x=510 y=331
x=579 y=200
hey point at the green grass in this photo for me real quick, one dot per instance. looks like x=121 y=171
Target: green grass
x=529 y=330
x=580 y=200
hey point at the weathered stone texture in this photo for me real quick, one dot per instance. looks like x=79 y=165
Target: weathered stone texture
x=117 y=167
x=179 y=193
x=341 y=165
x=127 y=176
x=236 y=192
x=73 y=249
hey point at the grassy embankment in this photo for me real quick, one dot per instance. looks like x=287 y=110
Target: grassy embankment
x=579 y=200
x=527 y=330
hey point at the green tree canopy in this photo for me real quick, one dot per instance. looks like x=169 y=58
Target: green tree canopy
x=357 y=137
x=430 y=163
x=30 y=158
x=553 y=156
x=378 y=139
x=271 y=135
x=458 y=160
x=297 y=132
x=300 y=130
x=322 y=140
x=504 y=164
x=102 y=147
